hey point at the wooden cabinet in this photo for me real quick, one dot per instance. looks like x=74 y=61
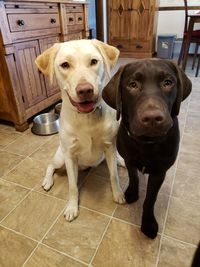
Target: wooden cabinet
x=27 y=29
x=132 y=26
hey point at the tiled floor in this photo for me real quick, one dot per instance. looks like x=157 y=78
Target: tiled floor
x=34 y=233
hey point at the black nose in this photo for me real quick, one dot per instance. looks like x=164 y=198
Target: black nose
x=85 y=91
x=152 y=117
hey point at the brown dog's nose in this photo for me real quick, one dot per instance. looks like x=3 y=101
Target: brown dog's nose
x=152 y=117
x=85 y=91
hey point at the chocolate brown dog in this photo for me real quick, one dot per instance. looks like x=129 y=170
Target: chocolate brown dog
x=147 y=94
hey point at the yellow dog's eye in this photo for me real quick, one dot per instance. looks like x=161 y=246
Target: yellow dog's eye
x=65 y=65
x=93 y=62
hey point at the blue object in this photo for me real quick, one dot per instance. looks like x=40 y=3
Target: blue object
x=165 y=45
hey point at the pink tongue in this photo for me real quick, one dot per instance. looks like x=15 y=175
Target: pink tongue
x=85 y=107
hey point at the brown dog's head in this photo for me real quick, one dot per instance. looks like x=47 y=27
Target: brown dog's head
x=147 y=93
x=79 y=67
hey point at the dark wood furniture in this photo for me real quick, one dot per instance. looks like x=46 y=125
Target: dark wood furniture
x=132 y=26
x=27 y=28
x=189 y=36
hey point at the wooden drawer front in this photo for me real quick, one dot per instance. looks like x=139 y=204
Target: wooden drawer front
x=73 y=8
x=28 y=22
x=74 y=36
x=75 y=22
x=79 y=18
x=26 y=7
x=134 y=46
x=71 y=19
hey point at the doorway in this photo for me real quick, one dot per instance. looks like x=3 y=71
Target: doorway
x=96 y=19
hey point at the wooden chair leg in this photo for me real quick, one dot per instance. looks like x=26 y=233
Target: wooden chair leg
x=195 y=55
x=185 y=54
x=198 y=65
x=181 y=52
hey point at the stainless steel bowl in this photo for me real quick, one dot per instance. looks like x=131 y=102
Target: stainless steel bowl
x=46 y=124
x=58 y=108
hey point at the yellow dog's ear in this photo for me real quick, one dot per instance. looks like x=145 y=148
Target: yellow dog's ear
x=45 y=61
x=109 y=53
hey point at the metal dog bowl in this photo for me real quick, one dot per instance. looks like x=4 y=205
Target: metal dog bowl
x=46 y=124
x=58 y=108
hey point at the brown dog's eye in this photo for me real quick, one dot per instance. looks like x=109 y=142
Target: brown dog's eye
x=93 y=62
x=133 y=85
x=167 y=83
x=65 y=65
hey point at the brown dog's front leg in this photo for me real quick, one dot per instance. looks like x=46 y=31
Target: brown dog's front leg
x=149 y=224
x=131 y=194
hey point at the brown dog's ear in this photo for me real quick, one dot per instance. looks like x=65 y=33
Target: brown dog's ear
x=45 y=61
x=184 y=87
x=109 y=53
x=112 y=92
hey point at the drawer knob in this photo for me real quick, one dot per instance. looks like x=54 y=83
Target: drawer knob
x=71 y=19
x=53 y=20
x=20 y=22
x=80 y=18
x=16 y=6
x=139 y=46
x=119 y=46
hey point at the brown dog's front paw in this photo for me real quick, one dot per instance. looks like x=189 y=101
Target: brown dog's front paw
x=150 y=228
x=131 y=195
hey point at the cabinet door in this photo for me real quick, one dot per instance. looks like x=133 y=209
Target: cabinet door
x=45 y=44
x=31 y=81
x=142 y=20
x=119 y=20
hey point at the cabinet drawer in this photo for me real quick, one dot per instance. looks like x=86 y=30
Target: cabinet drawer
x=30 y=7
x=71 y=19
x=79 y=18
x=74 y=22
x=139 y=46
x=29 y=22
x=73 y=8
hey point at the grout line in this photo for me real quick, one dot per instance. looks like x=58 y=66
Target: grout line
x=180 y=241
x=18 y=233
x=40 y=242
x=101 y=239
x=65 y=254
x=4 y=218
x=172 y=186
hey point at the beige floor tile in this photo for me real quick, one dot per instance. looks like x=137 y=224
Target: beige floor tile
x=96 y=194
x=102 y=171
x=79 y=238
x=183 y=221
x=125 y=245
x=34 y=215
x=14 y=248
x=133 y=212
x=60 y=187
x=46 y=257
x=46 y=152
x=175 y=254
x=190 y=143
x=8 y=161
x=187 y=182
x=28 y=173
x=193 y=122
x=10 y=196
x=27 y=144
x=7 y=138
